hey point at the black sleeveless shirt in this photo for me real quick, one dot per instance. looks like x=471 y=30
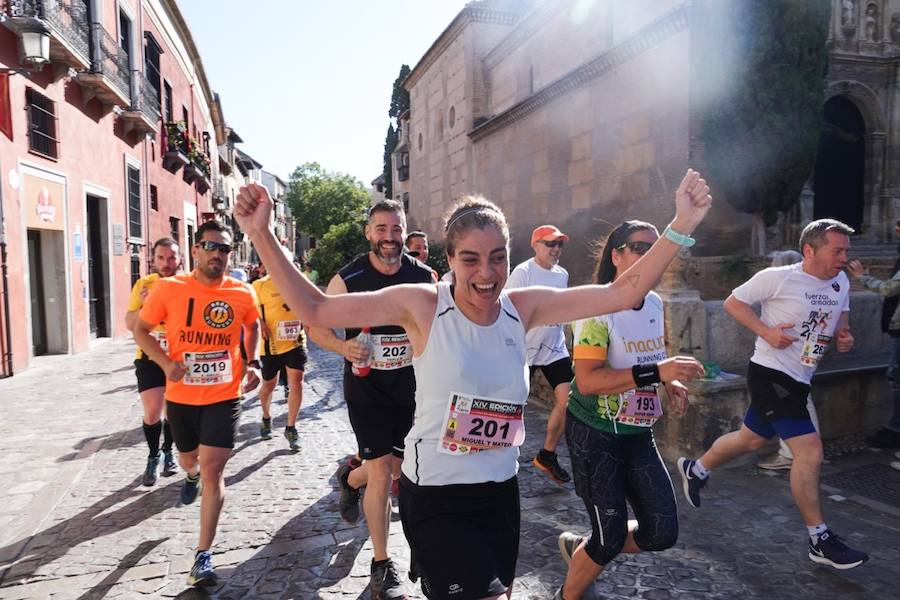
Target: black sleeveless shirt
x=396 y=386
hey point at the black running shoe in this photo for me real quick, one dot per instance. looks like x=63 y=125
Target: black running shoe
x=149 y=478
x=385 y=583
x=548 y=463
x=348 y=505
x=190 y=488
x=831 y=551
x=169 y=466
x=290 y=434
x=265 y=429
x=202 y=573
x=691 y=483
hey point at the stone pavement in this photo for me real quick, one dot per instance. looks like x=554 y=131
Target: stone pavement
x=76 y=523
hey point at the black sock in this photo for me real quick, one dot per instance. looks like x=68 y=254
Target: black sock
x=151 y=432
x=167 y=436
x=546 y=454
x=378 y=563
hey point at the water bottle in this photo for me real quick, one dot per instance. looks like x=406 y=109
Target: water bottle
x=362 y=369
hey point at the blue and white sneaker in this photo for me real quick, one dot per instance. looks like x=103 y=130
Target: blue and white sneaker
x=202 y=573
x=691 y=484
x=831 y=551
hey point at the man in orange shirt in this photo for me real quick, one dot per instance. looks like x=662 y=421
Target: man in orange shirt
x=205 y=314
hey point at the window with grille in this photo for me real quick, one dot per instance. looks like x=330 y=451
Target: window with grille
x=174 y=229
x=133 y=185
x=167 y=101
x=152 y=52
x=41 y=124
x=154 y=197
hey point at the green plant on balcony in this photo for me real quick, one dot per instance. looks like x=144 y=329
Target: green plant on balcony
x=200 y=160
x=175 y=136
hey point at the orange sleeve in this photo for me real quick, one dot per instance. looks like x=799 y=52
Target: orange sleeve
x=589 y=352
x=154 y=309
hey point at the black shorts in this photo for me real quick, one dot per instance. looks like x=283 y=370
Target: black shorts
x=272 y=364
x=213 y=425
x=777 y=404
x=557 y=372
x=464 y=539
x=380 y=429
x=775 y=395
x=149 y=374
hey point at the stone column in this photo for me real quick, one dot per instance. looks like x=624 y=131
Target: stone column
x=685 y=312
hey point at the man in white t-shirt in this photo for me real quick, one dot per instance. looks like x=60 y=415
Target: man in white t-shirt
x=546 y=346
x=804 y=306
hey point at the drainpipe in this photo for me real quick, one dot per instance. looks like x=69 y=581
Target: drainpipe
x=7 y=334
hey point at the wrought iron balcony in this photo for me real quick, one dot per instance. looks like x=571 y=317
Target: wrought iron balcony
x=109 y=77
x=143 y=114
x=67 y=20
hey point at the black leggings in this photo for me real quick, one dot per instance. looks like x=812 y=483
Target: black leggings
x=609 y=469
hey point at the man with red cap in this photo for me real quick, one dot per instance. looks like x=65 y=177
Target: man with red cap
x=546 y=346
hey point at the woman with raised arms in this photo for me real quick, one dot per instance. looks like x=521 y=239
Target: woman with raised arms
x=459 y=498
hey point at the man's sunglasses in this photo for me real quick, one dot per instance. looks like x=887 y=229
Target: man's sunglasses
x=212 y=246
x=553 y=243
x=636 y=247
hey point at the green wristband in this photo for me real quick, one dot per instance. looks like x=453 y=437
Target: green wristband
x=679 y=238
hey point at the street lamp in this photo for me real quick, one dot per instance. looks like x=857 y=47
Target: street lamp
x=34 y=46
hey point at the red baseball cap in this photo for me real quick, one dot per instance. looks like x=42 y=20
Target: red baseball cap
x=548 y=232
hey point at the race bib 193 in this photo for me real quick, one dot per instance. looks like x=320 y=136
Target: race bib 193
x=207 y=368
x=475 y=424
x=287 y=331
x=640 y=407
x=391 y=352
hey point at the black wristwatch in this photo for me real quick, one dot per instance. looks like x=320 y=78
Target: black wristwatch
x=254 y=363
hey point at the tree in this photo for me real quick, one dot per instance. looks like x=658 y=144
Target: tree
x=340 y=244
x=400 y=95
x=320 y=198
x=399 y=105
x=761 y=87
x=390 y=142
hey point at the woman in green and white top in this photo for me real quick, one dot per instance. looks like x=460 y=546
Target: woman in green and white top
x=620 y=358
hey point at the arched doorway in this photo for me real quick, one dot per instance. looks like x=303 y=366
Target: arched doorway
x=840 y=164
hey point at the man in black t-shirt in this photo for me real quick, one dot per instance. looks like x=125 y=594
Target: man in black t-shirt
x=382 y=403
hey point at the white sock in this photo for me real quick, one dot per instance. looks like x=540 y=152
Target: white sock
x=815 y=531
x=699 y=470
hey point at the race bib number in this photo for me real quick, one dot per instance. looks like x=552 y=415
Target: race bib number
x=641 y=407
x=207 y=368
x=287 y=331
x=476 y=424
x=814 y=349
x=390 y=352
x=160 y=336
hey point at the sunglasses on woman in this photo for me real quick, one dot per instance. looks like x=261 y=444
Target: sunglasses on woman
x=212 y=246
x=636 y=247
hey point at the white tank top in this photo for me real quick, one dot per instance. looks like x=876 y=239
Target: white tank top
x=486 y=361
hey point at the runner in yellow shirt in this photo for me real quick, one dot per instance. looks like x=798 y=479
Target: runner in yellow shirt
x=151 y=380
x=282 y=345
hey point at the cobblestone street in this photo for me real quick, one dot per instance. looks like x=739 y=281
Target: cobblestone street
x=76 y=523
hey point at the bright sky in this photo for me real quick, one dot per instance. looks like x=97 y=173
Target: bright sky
x=311 y=80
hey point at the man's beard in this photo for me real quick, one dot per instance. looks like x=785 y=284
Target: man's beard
x=388 y=260
x=212 y=270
